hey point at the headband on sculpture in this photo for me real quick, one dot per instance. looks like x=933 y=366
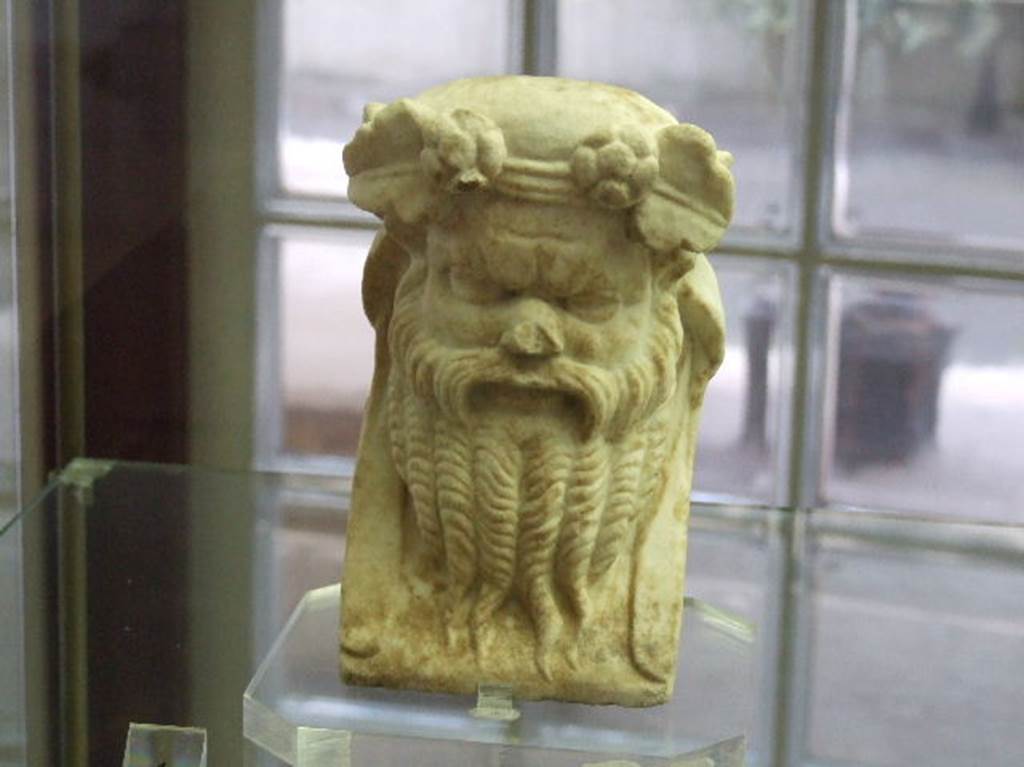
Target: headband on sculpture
x=409 y=155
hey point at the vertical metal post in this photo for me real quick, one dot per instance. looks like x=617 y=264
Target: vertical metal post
x=819 y=66
x=817 y=125
x=540 y=37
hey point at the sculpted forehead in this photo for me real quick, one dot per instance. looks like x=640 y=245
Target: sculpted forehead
x=559 y=249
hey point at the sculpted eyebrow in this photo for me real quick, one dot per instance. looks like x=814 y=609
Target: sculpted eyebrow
x=555 y=244
x=511 y=228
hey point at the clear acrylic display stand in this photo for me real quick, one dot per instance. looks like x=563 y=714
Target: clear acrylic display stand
x=297 y=708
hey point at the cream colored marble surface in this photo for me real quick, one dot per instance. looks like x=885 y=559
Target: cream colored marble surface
x=546 y=326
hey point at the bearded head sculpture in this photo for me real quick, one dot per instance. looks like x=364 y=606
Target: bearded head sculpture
x=546 y=326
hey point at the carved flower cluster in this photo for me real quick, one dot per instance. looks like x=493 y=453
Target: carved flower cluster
x=615 y=168
x=462 y=151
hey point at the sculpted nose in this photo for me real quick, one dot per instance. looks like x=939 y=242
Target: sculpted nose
x=532 y=338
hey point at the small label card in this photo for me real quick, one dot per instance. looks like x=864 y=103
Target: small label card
x=155 y=745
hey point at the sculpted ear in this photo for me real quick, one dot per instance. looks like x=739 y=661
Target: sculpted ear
x=700 y=309
x=672 y=266
x=385 y=265
x=688 y=276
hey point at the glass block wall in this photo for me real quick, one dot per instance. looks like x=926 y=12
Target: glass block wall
x=874 y=287
x=872 y=278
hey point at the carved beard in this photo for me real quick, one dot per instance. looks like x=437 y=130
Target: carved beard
x=539 y=512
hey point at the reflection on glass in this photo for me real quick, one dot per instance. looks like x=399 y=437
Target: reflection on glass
x=12 y=714
x=729 y=66
x=326 y=353
x=12 y=722
x=8 y=307
x=916 y=642
x=926 y=397
x=734 y=562
x=930 y=126
x=337 y=57
x=743 y=441
x=306 y=544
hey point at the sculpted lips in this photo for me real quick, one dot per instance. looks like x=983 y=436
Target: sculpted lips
x=537 y=387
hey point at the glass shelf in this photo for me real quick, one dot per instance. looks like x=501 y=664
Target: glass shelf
x=165 y=588
x=297 y=689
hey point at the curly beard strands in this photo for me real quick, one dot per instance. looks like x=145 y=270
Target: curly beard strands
x=405 y=315
x=656 y=453
x=453 y=461
x=396 y=422
x=551 y=521
x=497 y=475
x=412 y=443
x=579 y=533
x=646 y=383
x=419 y=472
x=401 y=334
x=621 y=509
x=545 y=477
x=655 y=456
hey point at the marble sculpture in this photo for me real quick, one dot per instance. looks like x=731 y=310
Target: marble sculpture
x=546 y=326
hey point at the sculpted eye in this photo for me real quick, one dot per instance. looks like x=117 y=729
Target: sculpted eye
x=593 y=307
x=469 y=287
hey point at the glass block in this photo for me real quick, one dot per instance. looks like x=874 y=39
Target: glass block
x=339 y=56
x=923 y=402
x=915 y=643
x=743 y=445
x=326 y=342
x=730 y=67
x=929 y=129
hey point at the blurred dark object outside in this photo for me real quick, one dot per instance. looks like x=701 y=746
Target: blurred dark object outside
x=758 y=324
x=892 y=356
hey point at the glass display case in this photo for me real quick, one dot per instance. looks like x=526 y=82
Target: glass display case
x=210 y=599
x=202 y=598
